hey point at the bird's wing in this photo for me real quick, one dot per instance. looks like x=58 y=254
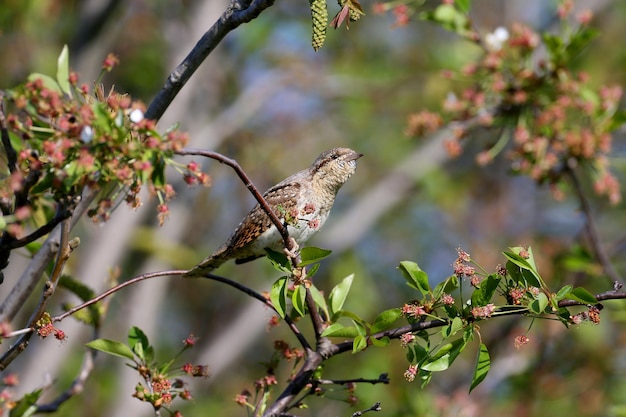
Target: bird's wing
x=282 y=199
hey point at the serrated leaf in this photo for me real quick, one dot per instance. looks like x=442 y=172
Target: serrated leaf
x=279 y=260
x=319 y=300
x=382 y=342
x=450 y=330
x=445 y=356
x=385 y=319
x=139 y=344
x=311 y=255
x=278 y=296
x=63 y=71
x=483 y=294
x=298 y=300
x=339 y=330
x=359 y=343
x=463 y=5
x=483 y=363
x=339 y=294
x=416 y=353
x=528 y=264
x=563 y=292
x=48 y=82
x=539 y=304
x=582 y=295
x=112 y=348
x=415 y=277
x=27 y=405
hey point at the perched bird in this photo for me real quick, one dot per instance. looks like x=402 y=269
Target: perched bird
x=302 y=203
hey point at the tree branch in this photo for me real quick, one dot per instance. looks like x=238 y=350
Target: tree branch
x=237 y=12
x=249 y=185
x=249 y=291
x=24 y=287
x=592 y=230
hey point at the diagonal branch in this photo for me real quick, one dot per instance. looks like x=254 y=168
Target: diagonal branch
x=237 y=13
x=592 y=230
x=249 y=185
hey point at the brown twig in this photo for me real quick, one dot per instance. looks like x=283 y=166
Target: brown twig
x=249 y=291
x=249 y=185
x=591 y=229
x=115 y=289
x=78 y=383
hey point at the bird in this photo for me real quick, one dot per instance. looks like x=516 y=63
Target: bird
x=302 y=202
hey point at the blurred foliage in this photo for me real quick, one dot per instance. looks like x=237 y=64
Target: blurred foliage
x=359 y=90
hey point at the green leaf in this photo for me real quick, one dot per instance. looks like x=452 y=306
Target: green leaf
x=359 y=343
x=450 y=330
x=339 y=294
x=447 y=286
x=582 y=295
x=483 y=294
x=526 y=264
x=158 y=171
x=463 y=5
x=416 y=353
x=298 y=300
x=278 y=296
x=339 y=330
x=139 y=344
x=63 y=71
x=48 y=82
x=445 y=356
x=563 y=292
x=483 y=363
x=279 y=260
x=26 y=406
x=385 y=319
x=539 y=304
x=319 y=300
x=414 y=276
x=449 y=18
x=311 y=255
x=112 y=348
x=382 y=342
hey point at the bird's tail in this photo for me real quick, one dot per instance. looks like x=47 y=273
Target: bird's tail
x=208 y=264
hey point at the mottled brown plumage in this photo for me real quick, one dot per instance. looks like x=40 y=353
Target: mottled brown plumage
x=301 y=201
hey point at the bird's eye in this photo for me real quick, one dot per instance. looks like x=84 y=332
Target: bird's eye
x=335 y=156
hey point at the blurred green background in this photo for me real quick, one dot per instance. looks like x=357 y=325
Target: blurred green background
x=265 y=98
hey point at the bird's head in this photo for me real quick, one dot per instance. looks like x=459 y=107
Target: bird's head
x=333 y=167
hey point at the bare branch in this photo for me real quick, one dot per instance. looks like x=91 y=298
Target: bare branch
x=16 y=299
x=592 y=230
x=238 y=12
x=375 y=407
x=77 y=385
x=116 y=289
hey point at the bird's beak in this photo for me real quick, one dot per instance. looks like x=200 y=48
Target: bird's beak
x=354 y=156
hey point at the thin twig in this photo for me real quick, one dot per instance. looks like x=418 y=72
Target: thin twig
x=237 y=12
x=592 y=229
x=249 y=291
x=382 y=379
x=78 y=383
x=375 y=407
x=113 y=290
x=249 y=185
x=62 y=213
